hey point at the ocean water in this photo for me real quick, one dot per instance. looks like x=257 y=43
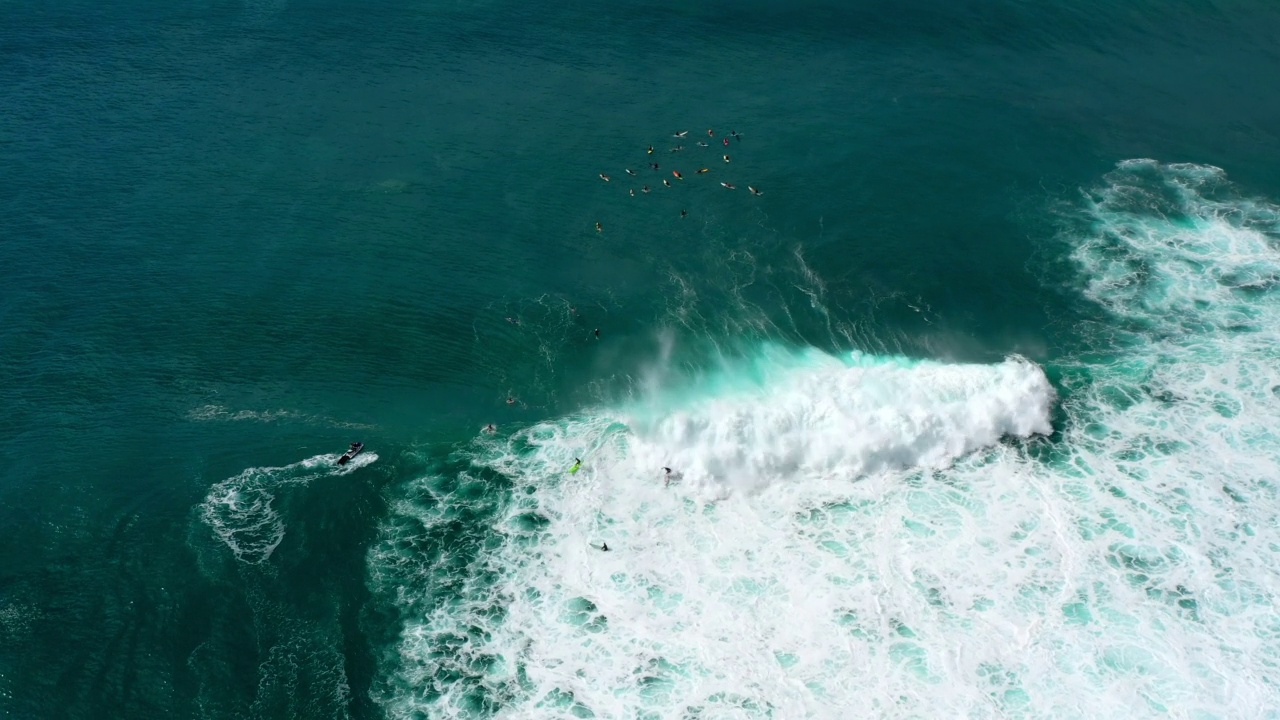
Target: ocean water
x=972 y=412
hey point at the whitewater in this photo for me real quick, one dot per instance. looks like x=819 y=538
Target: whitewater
x=852 y=534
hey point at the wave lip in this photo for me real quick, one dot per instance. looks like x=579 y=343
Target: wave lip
x=850 y=419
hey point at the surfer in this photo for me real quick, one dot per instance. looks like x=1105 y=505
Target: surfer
x=726 y=142
x=677 y=148
x=576 y=465
x=653 y=165
x=681 y=134
x=511 y=400
x=677 y=174
x=704 y=170
x=491 y=428
x=666 y=476
x=644 y=189
x=711 y=133
x=754 y=191
x=599 y=227
x=513 y=321
x=597 y=333
x=702 y=144
x=650 y=149
x=604 y=177
x=632 y=192
x=666 y=182
x=726 y=158
x=630 y=171
x=684 y=213
x=735 y=135
x=729 y=185
x=604 y=547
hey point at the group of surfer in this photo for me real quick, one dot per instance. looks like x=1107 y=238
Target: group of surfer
x=677 y=174
x=667 y=473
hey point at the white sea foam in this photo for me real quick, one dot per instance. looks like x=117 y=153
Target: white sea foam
x=240 y=509
x=852 y=539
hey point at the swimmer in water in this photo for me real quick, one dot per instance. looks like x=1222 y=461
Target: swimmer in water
x=491 y=428
x=754 y=191
x=666 y=476
x=704 y=170
x=604 y=177
x=702 y=144
x=734 y=134
x=677 y=148
x=729 y=185
x=653 y=165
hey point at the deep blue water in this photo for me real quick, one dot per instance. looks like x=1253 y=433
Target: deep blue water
x=242 y=235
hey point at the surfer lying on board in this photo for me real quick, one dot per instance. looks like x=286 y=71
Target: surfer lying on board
x=576 y=465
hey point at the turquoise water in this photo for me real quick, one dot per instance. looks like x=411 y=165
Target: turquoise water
x=971 y=411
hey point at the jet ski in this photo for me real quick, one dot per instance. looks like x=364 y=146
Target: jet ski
x=356 y=447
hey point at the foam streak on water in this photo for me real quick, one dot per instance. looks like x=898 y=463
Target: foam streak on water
x=881 y=537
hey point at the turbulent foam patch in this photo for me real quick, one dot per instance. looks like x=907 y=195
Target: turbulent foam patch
x=239 y=509
x=849 y=539
x=702 y=583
